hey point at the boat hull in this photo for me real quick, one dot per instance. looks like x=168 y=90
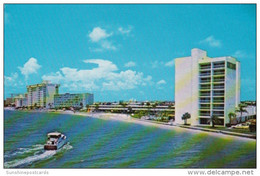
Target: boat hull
x=50 y=147
x=55 y=147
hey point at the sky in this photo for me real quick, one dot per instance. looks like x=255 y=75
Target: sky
x=122 y=52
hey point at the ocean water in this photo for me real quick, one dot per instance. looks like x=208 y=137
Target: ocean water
x=97 y=143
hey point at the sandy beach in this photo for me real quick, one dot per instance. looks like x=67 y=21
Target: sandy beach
x=127 y=118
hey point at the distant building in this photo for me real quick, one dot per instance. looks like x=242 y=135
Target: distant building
x=73 y=100
x=42 y=95
x=206 y=86
x=249 y=114
x=21 y=100
x=9 y=101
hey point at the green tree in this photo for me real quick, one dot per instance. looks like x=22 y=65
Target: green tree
x=87 y=106
x=130 y=110
x=148 y=106
x=231 y=115
x=241 y=108
x=214 y=120
x=96 y=106
x=81 y=105
x=185 y=117
x=154 y=106
x=35 y=105
x=123 y=104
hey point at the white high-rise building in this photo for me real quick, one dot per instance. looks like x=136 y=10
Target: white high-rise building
x=42 y=95
x=206 y=86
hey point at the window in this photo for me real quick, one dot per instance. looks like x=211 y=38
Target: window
x=231 y=66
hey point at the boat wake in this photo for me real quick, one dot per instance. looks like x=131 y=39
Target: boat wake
x=21 y=151
x=37 y=153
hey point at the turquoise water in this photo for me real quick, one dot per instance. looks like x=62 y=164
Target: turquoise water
x=97 y=143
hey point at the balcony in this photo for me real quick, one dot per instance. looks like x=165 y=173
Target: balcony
x=218 y=100
x=205 y=80
x=205 y=94
x=205 y=106
x=205 y=66
x=218 y=107
x=219 y=86
x=204 y=113
x=219 y=79
x=219 y=65
x=218 y=113
x=205 y=87
x=218 y=93
x=219 y=72
x=204 y=100
x=205 y=73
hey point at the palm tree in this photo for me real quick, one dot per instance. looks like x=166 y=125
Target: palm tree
x=154 y=106
x=231 y=115
x=123 y=105
x=87 y=106
x=129 y=109
x=185 y=117
x=241 y=109
x=96 y=106
x=35 y=105
x=214 y=120
x=148 y=104
x=81 y=105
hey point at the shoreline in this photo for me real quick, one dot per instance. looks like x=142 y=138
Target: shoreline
x=128 y=119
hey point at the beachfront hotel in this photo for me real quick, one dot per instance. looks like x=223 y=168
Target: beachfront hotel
x=21 y=100
x=46 y=95
x=73 y=100
x=42 y=95
x=206 y=86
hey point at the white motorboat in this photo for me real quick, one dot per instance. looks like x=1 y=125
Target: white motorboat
x=55 y=141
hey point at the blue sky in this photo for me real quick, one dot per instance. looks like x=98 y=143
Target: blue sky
x=122 y=52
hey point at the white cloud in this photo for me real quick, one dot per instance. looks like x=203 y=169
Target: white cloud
x=125 y=31
x=13 y=80
x=240 y=54
x=161 y=82
x=102 y=77
x=30 y=67
x=156 y=64
x=104 y=45
x=9 y=80
x=128 y=79
x=211 y=41
x=102 y=38
x=170 y=63
x=98 y=34
x=107 y=45
x=130 y=64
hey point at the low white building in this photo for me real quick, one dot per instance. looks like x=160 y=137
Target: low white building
x=73 y=100
x=21 y=100
x=251 y=112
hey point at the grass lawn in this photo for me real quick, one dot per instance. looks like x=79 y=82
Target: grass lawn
x=245 y=131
